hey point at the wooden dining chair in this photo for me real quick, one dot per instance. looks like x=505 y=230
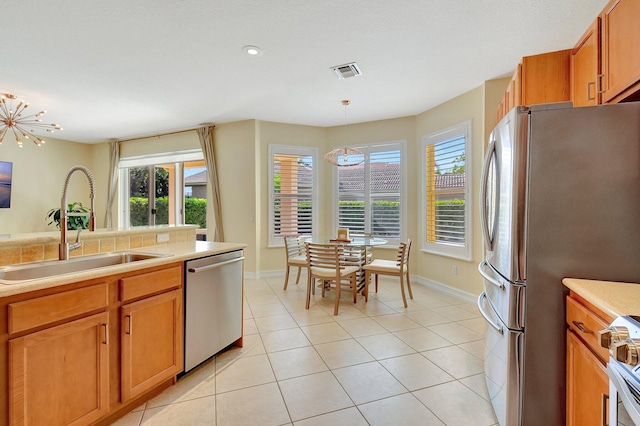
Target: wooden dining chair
x=327 y=262
x=397 y=268
x=296 y=255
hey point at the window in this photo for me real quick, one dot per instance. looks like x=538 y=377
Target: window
x=447 y=191
x=371 y=195
x=292 y=192
x=163 y=189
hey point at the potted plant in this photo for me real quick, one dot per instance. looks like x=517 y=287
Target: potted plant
x=73 y=222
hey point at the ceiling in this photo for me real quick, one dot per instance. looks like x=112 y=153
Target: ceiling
x=119 y=68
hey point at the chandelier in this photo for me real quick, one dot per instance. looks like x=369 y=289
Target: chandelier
x=345 y=157
x=11 y=118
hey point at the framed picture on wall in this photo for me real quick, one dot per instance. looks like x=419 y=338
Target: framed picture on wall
x=5 y=184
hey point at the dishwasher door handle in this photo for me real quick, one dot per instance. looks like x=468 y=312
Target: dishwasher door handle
x=215 y=265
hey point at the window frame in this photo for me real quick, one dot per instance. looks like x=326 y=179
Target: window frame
x=176 y=157
x=439 y=248
x=279 y=149
x=367 y=149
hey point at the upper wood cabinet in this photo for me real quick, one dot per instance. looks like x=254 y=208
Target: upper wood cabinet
x=585 y=68
x=621 y=51
x=545 y=78
x=538 y=79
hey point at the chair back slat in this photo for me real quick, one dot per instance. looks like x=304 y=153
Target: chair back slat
x=324 y=255
x=402 y=257
x=294 y=245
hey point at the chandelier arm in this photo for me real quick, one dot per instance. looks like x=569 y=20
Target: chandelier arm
x=20 y=108
x=26 y=133
x=5 y=111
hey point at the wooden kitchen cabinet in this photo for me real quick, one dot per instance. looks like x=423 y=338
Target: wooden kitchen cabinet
x=587 y=381
x=69 y=358
x=620 y=47
x=58 y=361
x=585 y=68
x=538 y=79
x=152 y=350
x=60 y=375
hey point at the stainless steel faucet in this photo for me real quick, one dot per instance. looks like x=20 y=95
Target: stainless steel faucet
x=64 y=248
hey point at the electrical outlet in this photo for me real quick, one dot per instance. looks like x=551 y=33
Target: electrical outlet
x=454 y=270
x=162 y=238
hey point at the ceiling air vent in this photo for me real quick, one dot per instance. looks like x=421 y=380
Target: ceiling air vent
x=347 y=70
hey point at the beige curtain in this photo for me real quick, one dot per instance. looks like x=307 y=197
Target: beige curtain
x=205 y=134
x=114 y=158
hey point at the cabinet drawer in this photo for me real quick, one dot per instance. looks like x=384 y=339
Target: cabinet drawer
x=49 y=309
x=150 y=283
x=586 y=325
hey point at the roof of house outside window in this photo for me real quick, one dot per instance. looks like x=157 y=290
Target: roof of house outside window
x=196 y=179
x=386 y=176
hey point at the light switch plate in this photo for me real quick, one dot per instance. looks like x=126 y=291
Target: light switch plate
x=162 y=238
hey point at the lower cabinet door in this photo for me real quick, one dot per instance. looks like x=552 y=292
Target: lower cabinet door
x=152 y=342
x=60 y=376
x=587 y=385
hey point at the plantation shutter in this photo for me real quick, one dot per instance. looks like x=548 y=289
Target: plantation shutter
x=385 y=193
x=292 y=194
x=351 y=198
x=370 y=194
x=445 y=186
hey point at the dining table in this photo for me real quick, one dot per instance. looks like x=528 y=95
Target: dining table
x=357 y=251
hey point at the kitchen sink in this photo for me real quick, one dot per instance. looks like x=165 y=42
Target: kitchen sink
x=30 y=271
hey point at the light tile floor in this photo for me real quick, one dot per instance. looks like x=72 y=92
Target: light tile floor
x=376 y=363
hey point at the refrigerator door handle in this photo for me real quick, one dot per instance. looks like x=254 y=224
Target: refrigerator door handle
x=488 y=277
x=487 y=235
x=484 y=314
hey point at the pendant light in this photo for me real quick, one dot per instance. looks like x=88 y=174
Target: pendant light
x=345 y=156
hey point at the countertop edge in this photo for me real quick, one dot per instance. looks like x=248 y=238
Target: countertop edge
x=613 y=298
x=178 y=252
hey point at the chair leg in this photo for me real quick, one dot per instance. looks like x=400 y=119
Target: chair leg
x=354 y=284
x=309 y=287
x=365 y=291
x=404 y=298
x=376 y=283
x=286 y=277
x=409 y=285
x=298 y=277
x=337 y=303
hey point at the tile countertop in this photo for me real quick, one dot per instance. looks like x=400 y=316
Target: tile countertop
x=614 y=298
x=177 y=252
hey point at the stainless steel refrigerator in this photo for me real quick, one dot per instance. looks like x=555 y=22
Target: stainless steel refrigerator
x=560 y=197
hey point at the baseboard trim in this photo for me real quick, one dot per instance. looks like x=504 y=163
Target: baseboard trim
x=446 y=289
x=434 y=285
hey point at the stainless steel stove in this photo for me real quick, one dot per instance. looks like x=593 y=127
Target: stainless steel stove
x=623 y=340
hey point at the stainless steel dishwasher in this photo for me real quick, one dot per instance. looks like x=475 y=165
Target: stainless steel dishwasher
x=213 y=305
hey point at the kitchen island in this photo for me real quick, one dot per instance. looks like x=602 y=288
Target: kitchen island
x=69 y=340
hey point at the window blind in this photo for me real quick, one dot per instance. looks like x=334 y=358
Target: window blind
x=446 y=178
x=292 y=194
x=369 y=195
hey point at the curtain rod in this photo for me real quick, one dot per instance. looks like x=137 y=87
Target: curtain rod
x=166 y=134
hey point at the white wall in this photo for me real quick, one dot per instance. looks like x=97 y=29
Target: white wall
x=436 y=268
x=38 y=180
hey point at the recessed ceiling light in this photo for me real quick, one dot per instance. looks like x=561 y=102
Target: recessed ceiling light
x=252 y=50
